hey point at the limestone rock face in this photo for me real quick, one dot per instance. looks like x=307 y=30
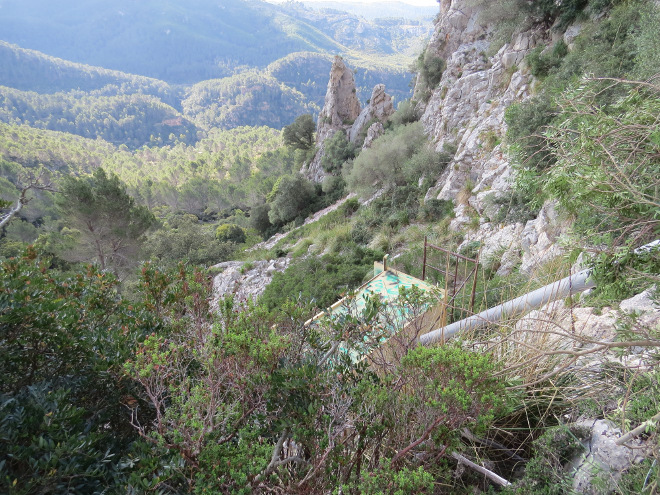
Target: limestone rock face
x=380 y=107
x=465 y=113
x=341 y=102
x=603 y=459
x=340 y=110
x=375 y=130
x=245 y=284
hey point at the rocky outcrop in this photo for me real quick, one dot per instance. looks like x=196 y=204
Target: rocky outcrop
x=340 y=110
x=380 y=108
x=341 y=103
x=245 y=280
x=603 y=458
x=375 y=131
x=465 y=112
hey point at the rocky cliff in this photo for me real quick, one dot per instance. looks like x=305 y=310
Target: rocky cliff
x=465 y=112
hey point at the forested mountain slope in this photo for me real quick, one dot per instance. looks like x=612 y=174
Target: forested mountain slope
x=243 y=63
x=192 y=41
x=31 y=70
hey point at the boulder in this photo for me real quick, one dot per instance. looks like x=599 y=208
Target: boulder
x=603 y=459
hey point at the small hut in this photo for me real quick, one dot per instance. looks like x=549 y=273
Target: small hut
x=403 y=325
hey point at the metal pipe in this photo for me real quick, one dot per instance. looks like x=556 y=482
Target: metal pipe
x=573 y=284
x=565 y=287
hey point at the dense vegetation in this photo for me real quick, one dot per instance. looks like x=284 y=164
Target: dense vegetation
x=134 y=120
x=599 y=125
x=216 y=387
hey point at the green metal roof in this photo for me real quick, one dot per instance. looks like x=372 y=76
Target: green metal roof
x=386 y=284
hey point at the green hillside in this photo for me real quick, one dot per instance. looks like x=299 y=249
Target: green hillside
x=170 y=40
x=30 y=70
x=186 y=42
x=251 y=98
x=130 y=119
x=226 y=65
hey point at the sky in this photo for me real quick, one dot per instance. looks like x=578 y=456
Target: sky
x=424 y=3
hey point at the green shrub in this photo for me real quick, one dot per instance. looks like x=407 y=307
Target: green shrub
x=350 y=206
x=386 y=162
x=433 y=210
x=337 y=150
x=405 y=113
x=512 y=207
x=292 y=196
x=430 y=68
x=402 y=482
x=49 y=445
x=544 y=473
x=321 y=281
x=426 y=163
x=540 y=65
x=333 y=187
x=185 y=239
x=300 y=134
x=623 y=272
x=360 y=233
x=230 y=232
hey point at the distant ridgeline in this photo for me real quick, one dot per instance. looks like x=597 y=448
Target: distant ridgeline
x=200 y=66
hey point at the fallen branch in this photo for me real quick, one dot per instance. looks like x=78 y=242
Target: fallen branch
x=467 y=434
x=421 y=439
x=275 y=460
x=486 y=472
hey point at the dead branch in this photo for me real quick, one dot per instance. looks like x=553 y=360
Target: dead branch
x=639 y=430
x=39 y=182
x=486 y=472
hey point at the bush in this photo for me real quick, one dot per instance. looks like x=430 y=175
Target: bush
x=405 y=113
x=292 y=196
x=426 y=163
x=511 y=208
x=321 y=281
x=50 y=446
x=333 y=188
x=230 y=232
x=540 y=65
x=259 y=218
x=433 y=210
x=544 y=473
x=185 y=239
x=385 y=164
x=430 y=67
x=337 y=150
x=300 y=134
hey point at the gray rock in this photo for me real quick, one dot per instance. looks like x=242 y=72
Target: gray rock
x=571 y=33
x=375 y=131
x=603 y=459
x=247 y=285
x=380 y=107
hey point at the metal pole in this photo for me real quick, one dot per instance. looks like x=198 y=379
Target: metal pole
x=474 y=284
x=573 y=284
x=424 y=262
